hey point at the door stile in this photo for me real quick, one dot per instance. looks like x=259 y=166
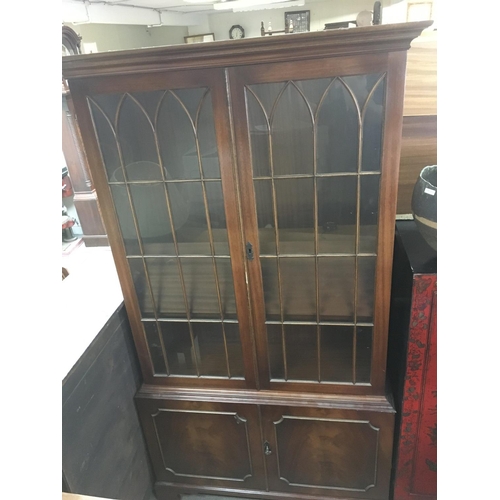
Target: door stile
x=249 y=223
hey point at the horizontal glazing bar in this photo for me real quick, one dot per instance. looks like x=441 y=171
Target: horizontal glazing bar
x=310 y=176
x=323 y=382
x=181 y=256
x=214 y=377
x=293 y=255
x=167 y=181
x=321 y=323
x=197 y=320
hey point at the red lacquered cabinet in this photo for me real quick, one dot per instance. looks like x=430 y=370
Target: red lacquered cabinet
x=412 y=365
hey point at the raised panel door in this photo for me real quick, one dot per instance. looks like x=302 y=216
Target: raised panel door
x=337 y=453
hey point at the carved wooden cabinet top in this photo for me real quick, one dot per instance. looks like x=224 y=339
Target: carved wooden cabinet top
x=352 y=41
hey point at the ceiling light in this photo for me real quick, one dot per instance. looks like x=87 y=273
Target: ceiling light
x=239 y=4
x=199 y=1
x=280 y=5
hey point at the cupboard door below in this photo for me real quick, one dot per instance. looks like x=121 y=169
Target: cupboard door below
x=206 y=444
x=338 y=453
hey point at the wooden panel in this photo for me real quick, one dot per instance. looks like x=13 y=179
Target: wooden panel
x=418 y=149
x=421 y=76
x=103 y=449
x=203 y=443
x=328 y=452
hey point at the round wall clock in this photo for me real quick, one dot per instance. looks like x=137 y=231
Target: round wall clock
x=236 y=32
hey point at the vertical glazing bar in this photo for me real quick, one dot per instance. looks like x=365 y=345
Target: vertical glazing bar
x=210 y=234
x=139 y=238
x=174 y=236
x=276 y=229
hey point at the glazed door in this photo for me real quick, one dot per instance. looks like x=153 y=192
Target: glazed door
x=310 y=140
x=338 y=453
x=162 y=165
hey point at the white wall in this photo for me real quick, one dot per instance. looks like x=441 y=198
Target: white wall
x=129 y=36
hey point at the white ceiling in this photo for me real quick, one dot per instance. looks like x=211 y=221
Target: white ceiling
x=154 y=12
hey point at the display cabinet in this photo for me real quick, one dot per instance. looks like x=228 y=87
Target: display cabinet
x=248 y=190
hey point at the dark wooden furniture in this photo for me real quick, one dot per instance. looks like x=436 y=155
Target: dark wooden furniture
x=249 y=192
x=83 y=196
x=103 y=448
x=412 y=364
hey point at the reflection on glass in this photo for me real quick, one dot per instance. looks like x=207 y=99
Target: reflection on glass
x=336 y=353
x=155 y=348
x=369 y=213
x=298 y=288
x=301 y=352
x=269 y=267
x=265 y=217
x=336 y=288
x=141 y=287
x=234 y=351
x=166 y=286
x=366 y=288
x=207 y=140
x=217 y=217
x=180 y=351
x=259 y=137
x=337 y=214
x=209 y=342
x=125 y=219
x=363 y=353
x=373 y=129
x=295 y=207
x=275 y=350
x=292 y=134
x=228 y=299
x=337 y=131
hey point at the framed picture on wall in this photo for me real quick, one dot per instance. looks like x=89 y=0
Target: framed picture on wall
x=205 y=37
x=300 y=20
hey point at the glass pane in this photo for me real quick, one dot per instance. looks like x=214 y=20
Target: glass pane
x=154 y=346
x=265 y=217
x=180 y=352
x=234 y=351
x=176 y=138
x=337 y=131
x=125 y=219
x=337 y=214
x=166 y=286
x=207 y=140
x=150 y=205
x=209 y=342
x=299 y=288
x=259 y=137
x=107 y=142
x=137 y=143
x=292 y=134
x=295 y=205
x=270 y=282
x=363 y=353
x=188 y=212
x=313 y=91
x=275 y=350
x=373 y=129
x=201 y=291
x=336 y=288
x=369 y=213
x=217 y=217
x=141 y=287
x=366 y=288
x=149 y=101
x=336 y=353
x=267 y=93
x=225 y=275
x=192 y=99
x=301 y=352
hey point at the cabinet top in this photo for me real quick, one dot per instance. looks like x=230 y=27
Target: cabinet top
x=294 y=46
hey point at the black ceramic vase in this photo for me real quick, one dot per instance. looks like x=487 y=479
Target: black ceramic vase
x=424 y=204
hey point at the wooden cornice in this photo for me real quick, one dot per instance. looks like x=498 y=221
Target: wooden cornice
x=296 y=46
